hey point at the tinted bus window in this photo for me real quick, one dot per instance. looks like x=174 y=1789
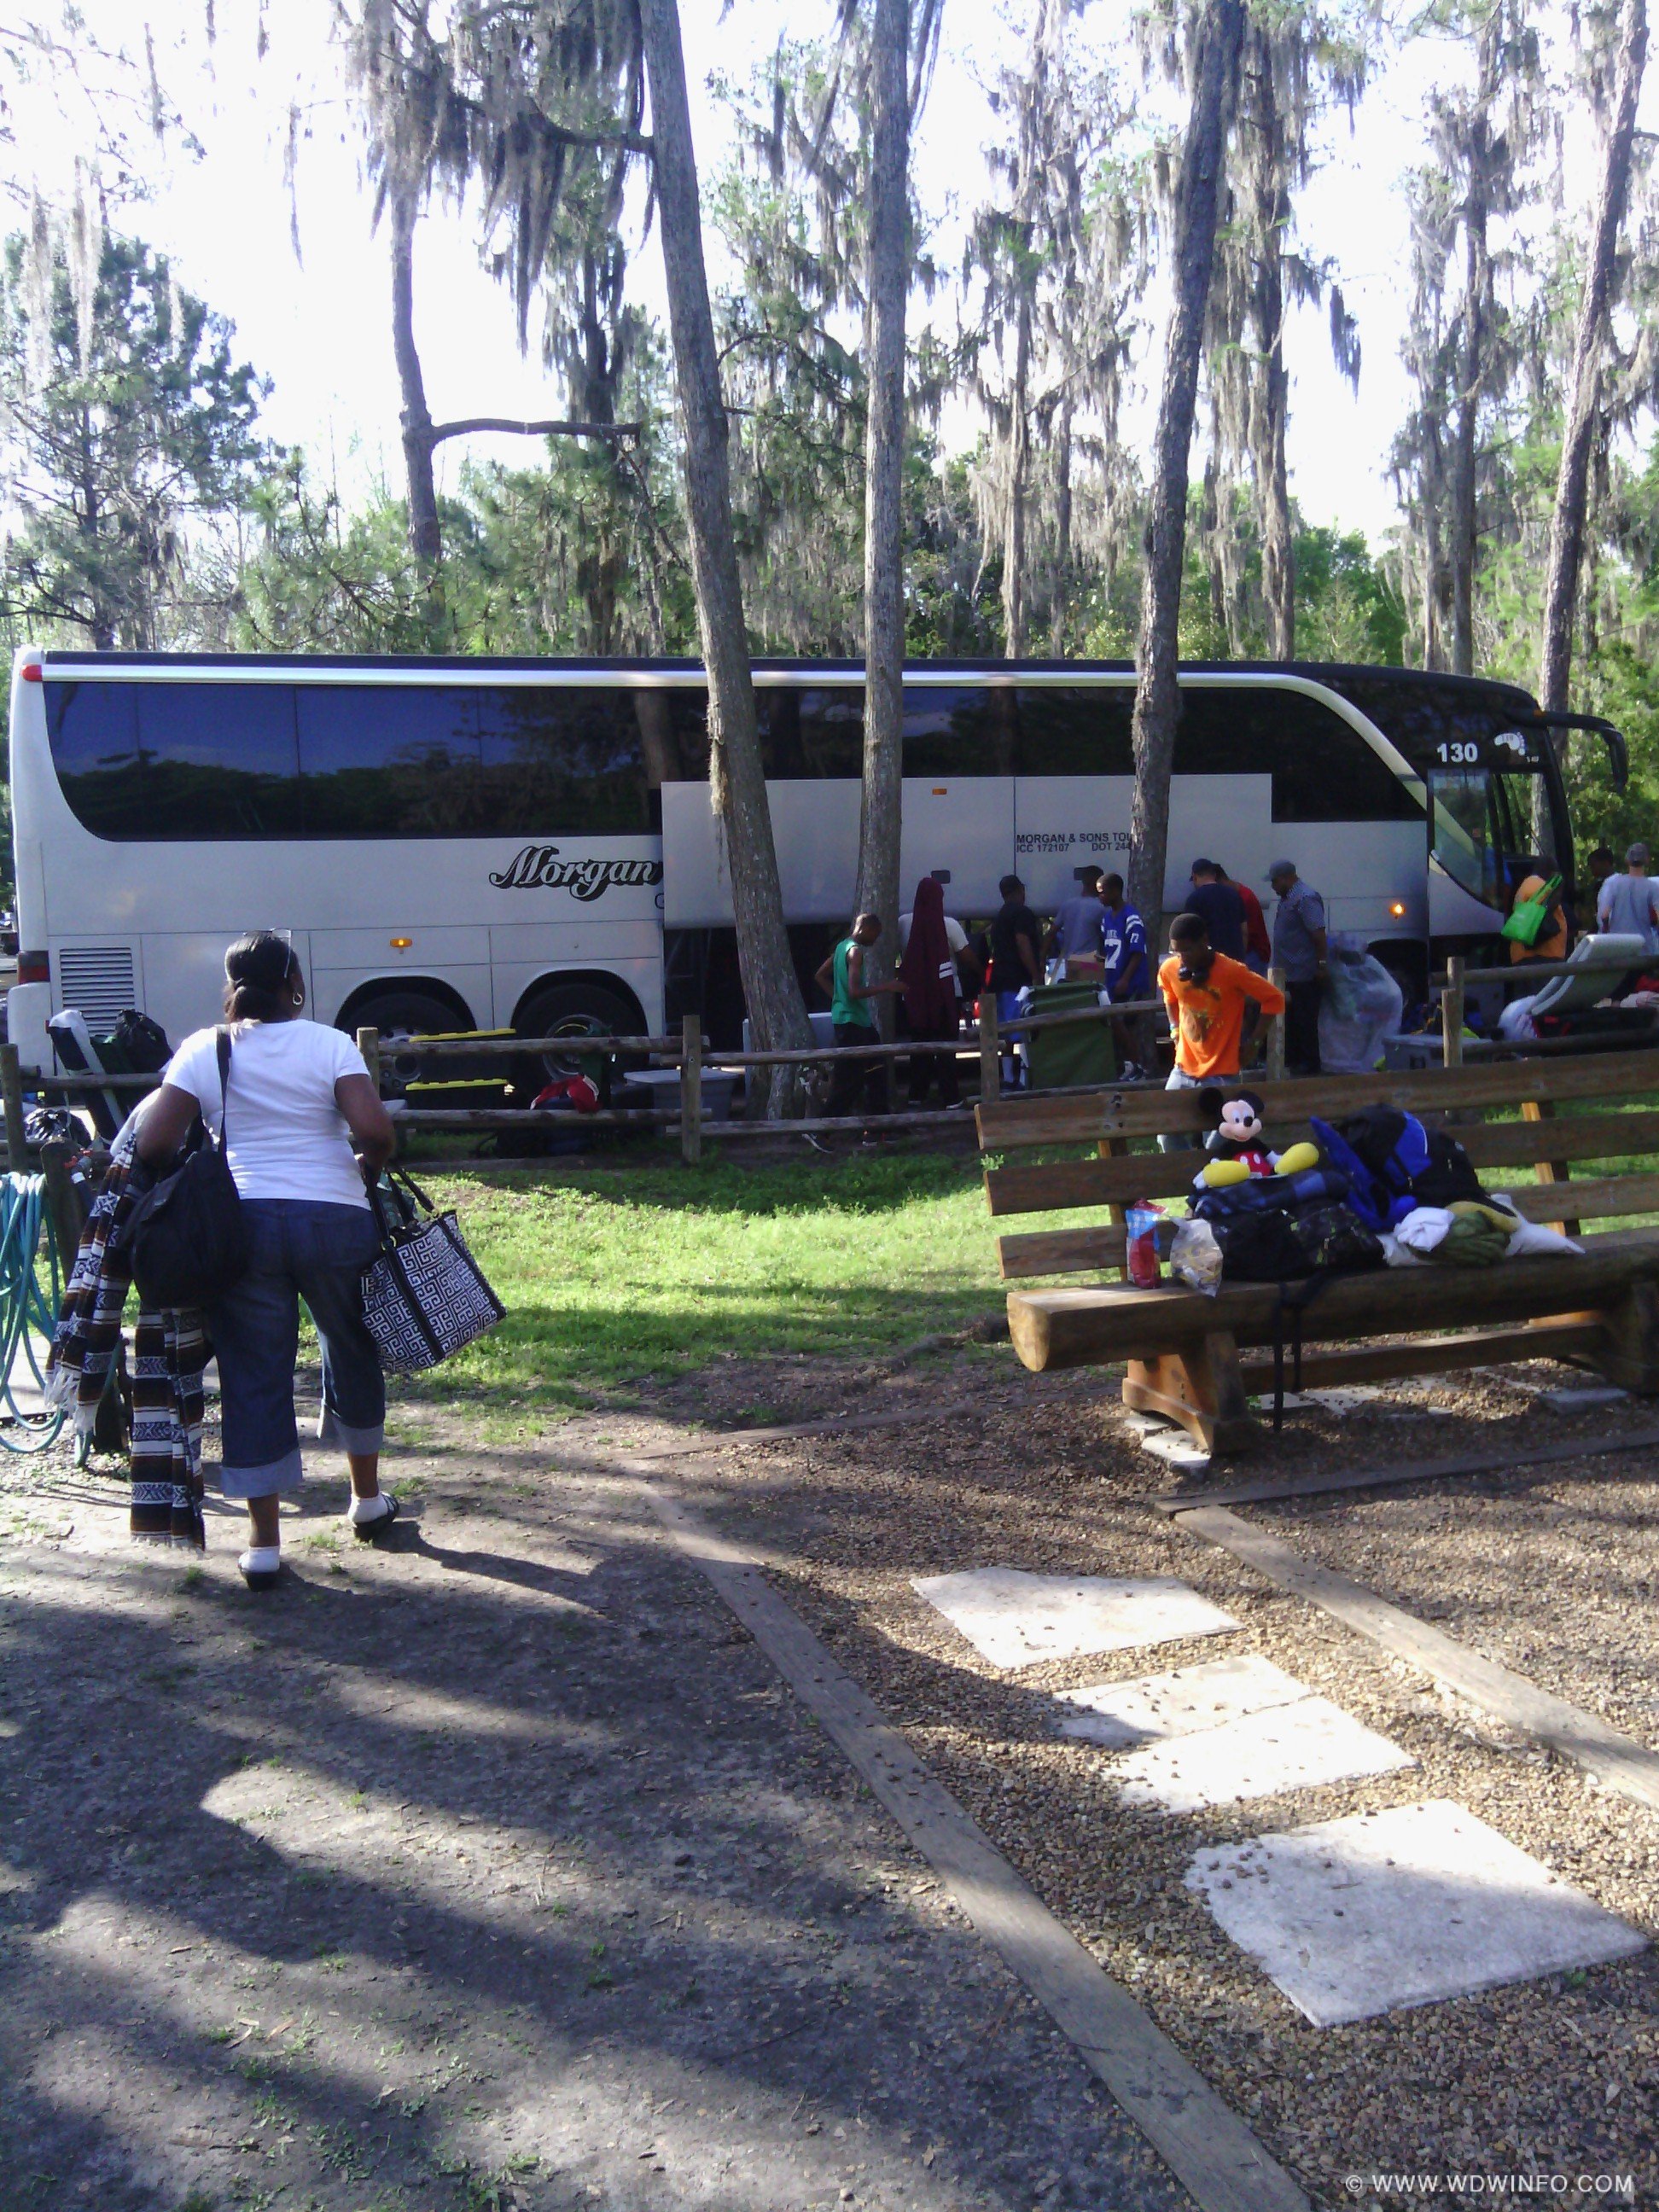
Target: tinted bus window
x=93 y=729
x=831 y=732
x=1081 y=733
x=148 y=762
x=1323 y=769
x=218 y=760
x=388 y=761
x=561 y=761
x=688 y=721
x=970 y=730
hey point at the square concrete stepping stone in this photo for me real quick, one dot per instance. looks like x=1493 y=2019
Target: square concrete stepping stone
x=1296 y=1746
x=1587 y=1400
x=1352 y=1918
x=1329 y=1400
x=1016 y=1620
x=1121 y=1715
x=1180 y=1452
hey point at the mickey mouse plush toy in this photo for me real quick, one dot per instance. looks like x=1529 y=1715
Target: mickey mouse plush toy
x=1235 y=1145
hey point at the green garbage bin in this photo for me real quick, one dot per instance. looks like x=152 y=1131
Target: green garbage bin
x=1080 y=1052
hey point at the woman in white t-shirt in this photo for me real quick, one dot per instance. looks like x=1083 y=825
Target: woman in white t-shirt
x=305 y=1132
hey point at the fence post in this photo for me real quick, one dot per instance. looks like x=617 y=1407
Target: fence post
x=64 y=1202
x=990 y=1048
x=691 y=1092
x=1451 y=1013
x=11 y=1090
x=368 y=1043
x=1273 y=1062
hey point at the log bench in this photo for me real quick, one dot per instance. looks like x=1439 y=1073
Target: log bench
x=1185 y=1353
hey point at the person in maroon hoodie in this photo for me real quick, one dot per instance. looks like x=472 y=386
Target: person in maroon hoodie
x=1258 y=946
x=931 y=995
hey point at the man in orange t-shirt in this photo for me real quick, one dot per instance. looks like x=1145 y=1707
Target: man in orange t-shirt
x=1206 y=993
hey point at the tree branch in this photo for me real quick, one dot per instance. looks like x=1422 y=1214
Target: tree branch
x=559 y=134
x=469 y=423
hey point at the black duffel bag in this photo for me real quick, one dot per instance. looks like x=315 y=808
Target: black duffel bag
x=1297 y=1231
x=1278 y=1229
x=186 y=1234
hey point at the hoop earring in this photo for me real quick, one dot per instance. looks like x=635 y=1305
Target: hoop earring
x=296 y=998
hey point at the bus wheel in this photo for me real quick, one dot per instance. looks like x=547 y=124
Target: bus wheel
x=398 y=1015
x=573 y=1011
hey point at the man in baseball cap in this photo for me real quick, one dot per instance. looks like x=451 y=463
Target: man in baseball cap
x=1301 y=951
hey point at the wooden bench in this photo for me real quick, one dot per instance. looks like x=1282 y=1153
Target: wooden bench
x=1183 y=1349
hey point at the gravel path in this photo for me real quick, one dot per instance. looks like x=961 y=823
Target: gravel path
x=496 y=1870
x=1558 y=2077
x=493 y=1870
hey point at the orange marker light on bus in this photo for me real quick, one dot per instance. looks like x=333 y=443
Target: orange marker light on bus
x=402 y=943
x=1397 y=909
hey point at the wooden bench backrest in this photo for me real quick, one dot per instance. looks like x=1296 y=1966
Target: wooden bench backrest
x=1117 y=1176
x=1015 y=1124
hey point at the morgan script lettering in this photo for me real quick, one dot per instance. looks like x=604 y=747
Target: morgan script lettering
x=539 y=867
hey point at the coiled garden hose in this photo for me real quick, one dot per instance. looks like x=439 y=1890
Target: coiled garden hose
x=31 y=1290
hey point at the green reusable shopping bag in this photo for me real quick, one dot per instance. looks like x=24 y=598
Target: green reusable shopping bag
x=1529 y=916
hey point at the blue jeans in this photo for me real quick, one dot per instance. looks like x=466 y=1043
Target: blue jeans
x=299 y=1250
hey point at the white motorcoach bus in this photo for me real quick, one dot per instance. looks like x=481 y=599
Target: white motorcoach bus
x=460 y=844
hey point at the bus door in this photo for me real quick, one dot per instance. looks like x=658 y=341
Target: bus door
x=1482 y=848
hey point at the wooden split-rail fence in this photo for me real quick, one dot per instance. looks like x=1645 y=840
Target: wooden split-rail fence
x=690 y=1052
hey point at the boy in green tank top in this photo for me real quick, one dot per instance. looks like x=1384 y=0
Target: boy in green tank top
x=854 y=1019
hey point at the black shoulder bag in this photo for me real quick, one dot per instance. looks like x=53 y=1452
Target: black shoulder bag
x=186 y=1233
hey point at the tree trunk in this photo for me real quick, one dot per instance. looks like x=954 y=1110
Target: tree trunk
x=425 y=538
x=1472 y=372
x=738 y=778
x=880 y=818
x=1578 y=437
x=1272 y=395
x=101 y=611
x=1277 y=547
x=1060 y=609
x=1019 y=451
x=1158 y=696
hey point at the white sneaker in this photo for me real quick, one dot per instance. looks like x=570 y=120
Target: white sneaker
x=262 y=1566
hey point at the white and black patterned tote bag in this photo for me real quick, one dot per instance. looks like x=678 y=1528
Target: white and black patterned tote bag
x=425 y=1296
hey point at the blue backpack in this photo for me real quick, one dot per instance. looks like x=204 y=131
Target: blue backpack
x=1394 y=1164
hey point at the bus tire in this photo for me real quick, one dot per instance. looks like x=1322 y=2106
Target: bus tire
x=398 y=1014
x=575 y=1009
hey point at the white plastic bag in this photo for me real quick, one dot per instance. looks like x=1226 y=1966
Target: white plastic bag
x=1195 y=1257
x=1362 y=1005
x=1532 y=1236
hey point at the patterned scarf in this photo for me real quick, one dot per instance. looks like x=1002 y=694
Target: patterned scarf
x=169 y=1353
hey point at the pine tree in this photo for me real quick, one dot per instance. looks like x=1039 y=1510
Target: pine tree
x=123 y=436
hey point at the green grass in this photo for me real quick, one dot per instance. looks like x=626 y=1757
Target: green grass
x=616 y=1277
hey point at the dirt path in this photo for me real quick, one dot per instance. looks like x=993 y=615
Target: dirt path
x=493 y=1870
